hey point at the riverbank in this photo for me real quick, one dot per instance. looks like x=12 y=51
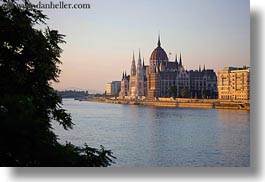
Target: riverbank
x=181 y=103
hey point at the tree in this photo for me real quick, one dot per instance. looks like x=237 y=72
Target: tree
x=172 y=91
x=206 y=94
x=29 y=60
x=185 y=92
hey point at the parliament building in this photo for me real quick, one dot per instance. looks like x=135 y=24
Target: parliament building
x=164 y=78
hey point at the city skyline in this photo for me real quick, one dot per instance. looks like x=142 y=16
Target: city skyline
x=100 y=41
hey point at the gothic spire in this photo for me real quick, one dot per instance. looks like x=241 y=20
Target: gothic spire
x=200 y=68
x=143 y=63
x=133 y=67
x=204 y=68
x=176 y=59
x=139 y=59
x=180 y=60
x=133 y=57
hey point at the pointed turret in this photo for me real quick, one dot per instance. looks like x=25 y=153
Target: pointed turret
x=176 y=59
x=139 y=71
x=180 y=60
x=139 y=90
x=143 y=63
x=133 y=67
x=200 y=68
x=123 y=76
x=204 y=68
x=139 y=59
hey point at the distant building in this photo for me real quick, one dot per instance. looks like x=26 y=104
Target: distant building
x=234 y=83
x=162 y=78
x=203 y=84
x=113 y=88
x=124 y=85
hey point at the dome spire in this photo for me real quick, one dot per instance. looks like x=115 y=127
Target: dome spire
x=159 y=42
x=159 y=53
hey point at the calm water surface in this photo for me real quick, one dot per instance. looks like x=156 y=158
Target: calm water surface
x=161 y=137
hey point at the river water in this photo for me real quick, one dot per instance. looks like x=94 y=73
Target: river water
x=161 y=137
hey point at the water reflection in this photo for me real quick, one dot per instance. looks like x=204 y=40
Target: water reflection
x=233 y=118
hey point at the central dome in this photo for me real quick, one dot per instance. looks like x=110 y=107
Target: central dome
x=159 y=53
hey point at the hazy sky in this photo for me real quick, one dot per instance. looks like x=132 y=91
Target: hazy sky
x=100 y=40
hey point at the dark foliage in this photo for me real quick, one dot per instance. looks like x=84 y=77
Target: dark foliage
x=185 y=92
x=29 y=60
x=172 y=91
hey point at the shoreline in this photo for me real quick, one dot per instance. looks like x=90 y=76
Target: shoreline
x=181 y=103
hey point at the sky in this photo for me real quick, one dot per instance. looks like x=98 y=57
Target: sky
x=101 y=40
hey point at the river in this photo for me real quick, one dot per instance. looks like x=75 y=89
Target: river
x=161 y=137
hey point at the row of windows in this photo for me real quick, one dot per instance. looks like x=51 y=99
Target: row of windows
x=234 y=97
